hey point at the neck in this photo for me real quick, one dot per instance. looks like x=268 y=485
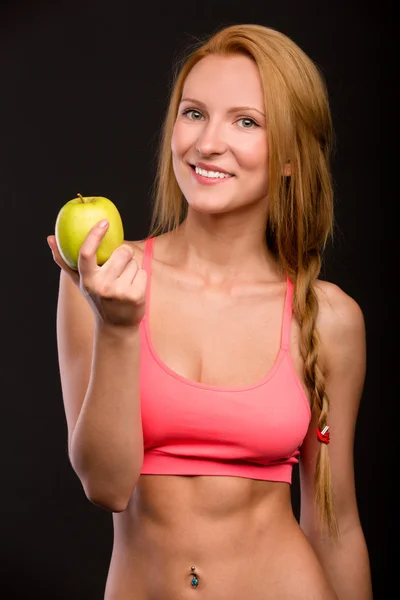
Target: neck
x=221 y=248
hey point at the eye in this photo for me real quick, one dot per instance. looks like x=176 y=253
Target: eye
x=193 y=114
x=248 y=123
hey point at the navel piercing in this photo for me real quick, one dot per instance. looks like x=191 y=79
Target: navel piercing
x=324 y=435
x=195 y=579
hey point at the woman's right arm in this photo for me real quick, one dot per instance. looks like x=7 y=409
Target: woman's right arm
x=99 y=370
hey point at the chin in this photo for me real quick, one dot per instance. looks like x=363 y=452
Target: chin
x=210 y=208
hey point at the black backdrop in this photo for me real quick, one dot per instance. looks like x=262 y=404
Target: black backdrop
x=83 y=88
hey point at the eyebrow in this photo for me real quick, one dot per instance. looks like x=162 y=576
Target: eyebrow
x=230 y=110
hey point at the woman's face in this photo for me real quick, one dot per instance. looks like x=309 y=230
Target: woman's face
x=221 y=129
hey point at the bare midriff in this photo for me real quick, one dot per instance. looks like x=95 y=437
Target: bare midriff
x=240 y=535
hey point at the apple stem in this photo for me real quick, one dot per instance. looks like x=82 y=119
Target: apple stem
x=83 y=199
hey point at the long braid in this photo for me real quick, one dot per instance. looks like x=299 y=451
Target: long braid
x=306 y=311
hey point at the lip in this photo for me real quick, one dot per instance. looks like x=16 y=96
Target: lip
x=208 y=181
x=214 y=168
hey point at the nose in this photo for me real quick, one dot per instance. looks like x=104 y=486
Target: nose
x=211 y=140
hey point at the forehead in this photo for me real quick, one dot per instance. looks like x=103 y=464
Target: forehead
x=230 y=79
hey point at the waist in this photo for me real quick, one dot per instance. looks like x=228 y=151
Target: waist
x=215 y=519
x=172 y=502
x=239 y=534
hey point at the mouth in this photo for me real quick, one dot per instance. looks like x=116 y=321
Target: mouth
x=210 y=177
x=211 y=171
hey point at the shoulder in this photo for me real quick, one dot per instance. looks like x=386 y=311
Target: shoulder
x=159 y=251
x=337 y=309
x=340 y=325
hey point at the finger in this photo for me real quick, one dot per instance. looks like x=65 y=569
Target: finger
x=138 y=286
x=116 y=264
x=87 y=261
x=51 y=240
x=128 y=274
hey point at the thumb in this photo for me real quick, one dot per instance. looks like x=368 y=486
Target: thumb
x=51 y=240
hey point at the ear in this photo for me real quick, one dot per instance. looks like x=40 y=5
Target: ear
x=287 y=169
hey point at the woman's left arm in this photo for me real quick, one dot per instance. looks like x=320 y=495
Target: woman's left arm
x=343 y=360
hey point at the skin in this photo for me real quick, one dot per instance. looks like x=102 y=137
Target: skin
x=215 y=316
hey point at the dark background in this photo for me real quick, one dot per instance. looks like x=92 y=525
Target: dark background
x=83 y=88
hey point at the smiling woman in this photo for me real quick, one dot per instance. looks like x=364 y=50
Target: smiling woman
x=200 y=364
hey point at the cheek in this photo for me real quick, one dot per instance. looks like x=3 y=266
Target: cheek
x=179 y=148
x=174 y=140
x=180 y=140
x=254 y=155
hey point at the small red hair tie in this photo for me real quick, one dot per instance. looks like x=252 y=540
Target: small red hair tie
x=324 y=435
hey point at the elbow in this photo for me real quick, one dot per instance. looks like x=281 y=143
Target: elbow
x=109 y=495
x=114 y=505
x=108 y=500
x=107 y=489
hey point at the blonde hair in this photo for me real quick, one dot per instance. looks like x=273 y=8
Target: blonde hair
x=300 y=214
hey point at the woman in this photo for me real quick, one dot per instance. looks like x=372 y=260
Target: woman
x=199 y=365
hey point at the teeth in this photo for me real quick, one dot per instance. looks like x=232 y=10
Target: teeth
x=212 y=174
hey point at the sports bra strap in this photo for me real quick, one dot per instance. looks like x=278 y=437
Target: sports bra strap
x=146 y=266
x=287 y=314
x=148 y=252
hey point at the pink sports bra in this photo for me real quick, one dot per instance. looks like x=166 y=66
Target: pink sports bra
x=253 y=431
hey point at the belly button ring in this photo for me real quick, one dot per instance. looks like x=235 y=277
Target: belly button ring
x=195 y=579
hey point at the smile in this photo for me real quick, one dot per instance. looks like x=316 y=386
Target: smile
x=209 y=177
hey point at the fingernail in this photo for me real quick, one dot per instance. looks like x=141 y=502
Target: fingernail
x=103 y=223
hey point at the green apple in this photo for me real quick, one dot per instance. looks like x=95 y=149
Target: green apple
x=77 y=217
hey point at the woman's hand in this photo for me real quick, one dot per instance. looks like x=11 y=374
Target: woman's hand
x=116 y=291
